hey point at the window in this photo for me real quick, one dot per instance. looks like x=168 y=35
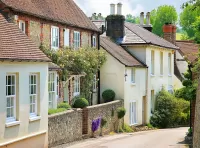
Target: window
x=54 y=37
x=76 y=40
x=169 y=64
x=161 y=63
x=22 y=25
x=94 y=41
x=76 y=86
x=52 y=88
x=57 y=87
x=66 y=37
x=95 y=83
x=33 y=92
x=152 y=62
x=170 y=89
x=133 y=113
x=152 y=101
x=133 y=75
x=11 y=97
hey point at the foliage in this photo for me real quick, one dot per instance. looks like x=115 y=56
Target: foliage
x=132 y=19
x=160 y=16
x=149 y=125
x=96 y=124
x=85 y=60
x=103 y=122
x=81 y=103
x=187 y=18
x=196 y=26
x=54 y=111
x=64 y=105
x=108 y=95
x=190 y=132
x=126 y=129
x=168 y=110
x=121 y=112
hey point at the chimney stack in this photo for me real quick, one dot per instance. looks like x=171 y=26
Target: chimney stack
x=119 y=9
x=112 y=9
x=142 y=18
x=169 y=33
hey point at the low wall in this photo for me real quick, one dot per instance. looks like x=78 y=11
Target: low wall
x=65 y=127
x=105 y=111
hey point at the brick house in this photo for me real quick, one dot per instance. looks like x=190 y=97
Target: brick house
x=54 y=24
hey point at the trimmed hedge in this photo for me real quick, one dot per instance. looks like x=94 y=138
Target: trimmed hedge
x=54 y=111
x=81 y=103
x=108 y=95
x=121 y=112
x=64 y=105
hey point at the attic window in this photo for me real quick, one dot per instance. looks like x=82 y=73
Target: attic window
x=22 y=25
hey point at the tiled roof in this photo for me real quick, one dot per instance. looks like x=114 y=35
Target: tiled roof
x=188 y=49
x=119 y=53
x=15 y=45
x=140 y=35
x=63 y=11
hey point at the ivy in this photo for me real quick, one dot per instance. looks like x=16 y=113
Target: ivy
x=86 y=60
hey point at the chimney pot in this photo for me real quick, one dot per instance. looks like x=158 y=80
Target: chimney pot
x=119 y=8
x=148 y=18
x=112 y=9
x=142 y=18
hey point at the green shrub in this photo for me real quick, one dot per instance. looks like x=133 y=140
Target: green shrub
x=108 y=95
x=121 y=112
x=81 y=103
x=149 y=125
x=103 y=122
x=190 y=132
x=64 y=105
x=54 y=111
x=169 y=111
x=126 y=129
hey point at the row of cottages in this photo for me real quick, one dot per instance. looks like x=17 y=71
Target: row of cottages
x=23 y=90
x=55 y=24
x=139 y=64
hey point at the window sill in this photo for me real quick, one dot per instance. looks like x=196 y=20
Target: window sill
x=134 y=124
x=31 y=119
x=161 y=75
x=169 y=75
x=152 y=75
x=133 y=84
x=14 y=123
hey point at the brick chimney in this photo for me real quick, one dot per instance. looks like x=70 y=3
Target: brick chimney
x=169 y=32
x=115 y=23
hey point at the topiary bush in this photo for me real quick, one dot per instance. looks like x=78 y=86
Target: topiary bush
x=108 y=95
x=64 y=105
x=121 y=112
x=81 y=103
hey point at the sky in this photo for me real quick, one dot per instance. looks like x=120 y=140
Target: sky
x=133 y=7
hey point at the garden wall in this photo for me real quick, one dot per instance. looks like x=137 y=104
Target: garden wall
x=65 y=127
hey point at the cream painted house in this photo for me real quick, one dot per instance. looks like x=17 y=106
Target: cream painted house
x=154 y=53
x=23 y=90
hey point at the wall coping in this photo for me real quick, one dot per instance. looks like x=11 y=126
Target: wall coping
x=63 y=113
x=104 y=104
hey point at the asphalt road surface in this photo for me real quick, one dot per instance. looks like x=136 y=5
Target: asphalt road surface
x=164 y=138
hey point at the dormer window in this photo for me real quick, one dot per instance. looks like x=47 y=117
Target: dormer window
x=22 y=25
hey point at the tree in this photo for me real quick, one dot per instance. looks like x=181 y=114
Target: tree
x=187 y=18
x=164 y=14
x=132 y=19
x=196 y=26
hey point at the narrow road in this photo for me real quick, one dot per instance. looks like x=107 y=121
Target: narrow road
x=164 y=138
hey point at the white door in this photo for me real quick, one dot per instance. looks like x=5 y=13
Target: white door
x=133 y=113
x=66 y=38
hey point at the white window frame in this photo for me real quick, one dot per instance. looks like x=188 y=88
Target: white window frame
x=170 y=89
x=94 y=41
x=133 y=75
x=52 y=84
x=33 y=95
x=152 y=62
x=76 y=91
x=21 y=22
x=95 y=83
x=12 y=118
x=66 y=37
x=133 y=117
x=57 y=86
x=161 y=64
x=77 y=40
x=169 y=64
x=55 y=37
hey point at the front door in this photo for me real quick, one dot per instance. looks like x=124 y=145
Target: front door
x=133 y=113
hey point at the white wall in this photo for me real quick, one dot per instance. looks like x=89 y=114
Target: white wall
x=25 y=127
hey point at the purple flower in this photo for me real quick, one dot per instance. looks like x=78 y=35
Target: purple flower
x=96 y=124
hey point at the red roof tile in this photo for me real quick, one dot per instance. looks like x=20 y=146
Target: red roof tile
x=119 y=53
x=188 y=49
x=15 y=45
x=63 y=11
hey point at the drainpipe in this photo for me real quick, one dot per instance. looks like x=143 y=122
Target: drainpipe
x=99 y=93
x=147 y=80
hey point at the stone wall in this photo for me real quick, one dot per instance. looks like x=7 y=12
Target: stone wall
x=105 y=111
x=65 y=127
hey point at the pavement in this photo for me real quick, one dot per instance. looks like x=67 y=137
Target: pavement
x=163 y=138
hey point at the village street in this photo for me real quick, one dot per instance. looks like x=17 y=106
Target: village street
x=164 y=138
